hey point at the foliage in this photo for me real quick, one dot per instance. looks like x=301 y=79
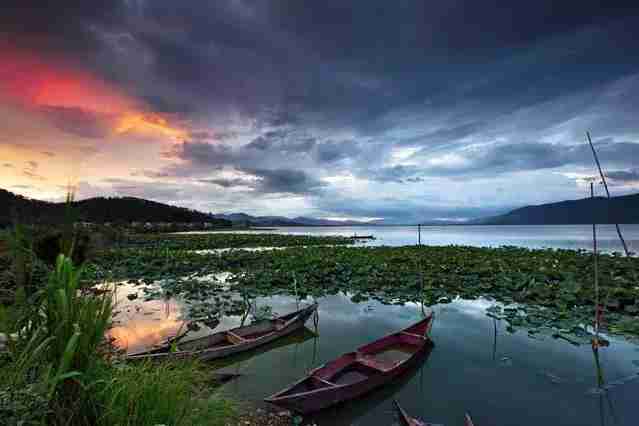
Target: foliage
x=151 y=394
x=76 y=322
x=51 y=244
x=23 y=406
x=58 y=371
x=20 y=243
x=550 y=289
x=227 y=240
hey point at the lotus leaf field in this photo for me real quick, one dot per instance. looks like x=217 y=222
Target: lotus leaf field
x=224 y=240
x=539 y=292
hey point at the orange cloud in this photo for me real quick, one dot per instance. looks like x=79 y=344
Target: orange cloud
x=149 y=123
x=38 y=81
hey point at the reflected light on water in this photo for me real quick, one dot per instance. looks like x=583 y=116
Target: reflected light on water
x=140 y=324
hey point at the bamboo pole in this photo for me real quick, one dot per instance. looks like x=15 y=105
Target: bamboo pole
x=605 y=184
x=596 y=270
x=420 y=266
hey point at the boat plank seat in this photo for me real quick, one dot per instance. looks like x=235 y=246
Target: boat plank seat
x=372 y=362
x=322 y=382
x=234 y=338
x=412 y=335
x=280 y=324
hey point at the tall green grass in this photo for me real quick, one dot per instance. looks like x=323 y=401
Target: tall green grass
x=61 y=357
x=150 y=394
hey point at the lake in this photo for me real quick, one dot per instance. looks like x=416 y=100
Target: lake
x=531 y=236
x=476 y=366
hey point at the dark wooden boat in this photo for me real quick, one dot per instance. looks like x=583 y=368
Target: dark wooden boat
x=356 y=373
x=406 y=420
x=469 y=421
x=230 y=342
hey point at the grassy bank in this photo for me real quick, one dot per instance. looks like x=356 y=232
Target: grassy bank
x=58 y=368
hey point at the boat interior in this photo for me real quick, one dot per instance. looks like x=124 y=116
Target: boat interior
x=235 y=336
x=231 y=337
x=378 y=357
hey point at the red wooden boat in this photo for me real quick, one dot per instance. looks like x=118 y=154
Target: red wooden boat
x=231 y=342
x=406 y=420
x=356 y=373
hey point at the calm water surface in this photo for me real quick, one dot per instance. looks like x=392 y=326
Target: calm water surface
x=475 y=365
x=531 y=236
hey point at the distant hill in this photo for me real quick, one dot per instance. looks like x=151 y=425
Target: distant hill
x=98 y=210
x=243 y=218
x=624 y=209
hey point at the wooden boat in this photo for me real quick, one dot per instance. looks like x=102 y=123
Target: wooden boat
x=230 y=342
x=356 y=373
x=363 y=237
x=406 y=420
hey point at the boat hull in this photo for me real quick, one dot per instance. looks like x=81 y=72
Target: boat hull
x=231 y=342
x=405 y=419
x=329 y=384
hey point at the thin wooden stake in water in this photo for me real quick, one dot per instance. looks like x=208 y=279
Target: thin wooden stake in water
x=297 y=299
x=596 y=270
x=421 y=273
x=605 y=184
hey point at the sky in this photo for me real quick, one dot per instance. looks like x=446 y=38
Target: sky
x=402 y=110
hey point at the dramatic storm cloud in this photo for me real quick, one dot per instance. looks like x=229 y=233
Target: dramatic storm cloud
x=406 y=110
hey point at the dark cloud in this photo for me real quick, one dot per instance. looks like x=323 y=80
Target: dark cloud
x=623 y=176
x=61 y=26
x=272 y=181
x=29 y=173
x=397 y=174
x=261 y=143
x=285 y=181
x=230 y=182
x=285 y=94
x=443 y=136
x=528 y=156
x=77 y=121
x=330 y=151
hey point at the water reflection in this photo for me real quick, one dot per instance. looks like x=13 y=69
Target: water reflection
x=466 y=371
x=348 y=413
x=139 y=324
x=606 y=407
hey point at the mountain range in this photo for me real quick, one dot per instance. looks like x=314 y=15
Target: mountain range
x=243 y=218
x=601 y=210
x=622 y=209
x=98 y=210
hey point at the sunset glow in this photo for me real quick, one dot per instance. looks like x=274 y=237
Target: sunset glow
x=38 y=82
x=148 y=123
